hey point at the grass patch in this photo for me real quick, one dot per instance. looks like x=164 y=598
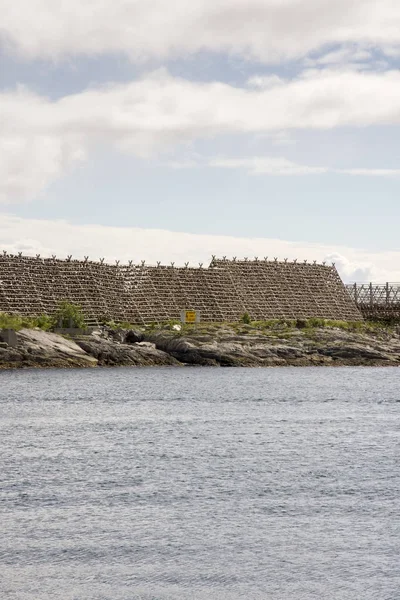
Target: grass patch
x=115 y=325
x=18 y=322
x=66 y=315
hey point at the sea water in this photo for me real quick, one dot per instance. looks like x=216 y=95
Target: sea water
x=200 y=483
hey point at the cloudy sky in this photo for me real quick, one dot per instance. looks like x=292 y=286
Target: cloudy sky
x=142 y=129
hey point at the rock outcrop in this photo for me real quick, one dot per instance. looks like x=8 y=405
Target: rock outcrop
x=36 y=348
x=226 y=346
x=293 y=348
x=110 y=353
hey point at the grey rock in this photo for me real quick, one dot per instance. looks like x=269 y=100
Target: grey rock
x=133 y=336
x=298 y=347
x=354 y=351
x=40 y=348
x=117 y=335
x=108 y=353
x=146 y=344
x=216 y=346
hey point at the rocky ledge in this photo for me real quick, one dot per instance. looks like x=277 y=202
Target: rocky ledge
x=213 y=345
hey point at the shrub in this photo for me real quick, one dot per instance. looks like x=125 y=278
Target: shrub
x=10 y=321
x=245 y=318
x=18 y=322
x=43 y=322
x=69 y=315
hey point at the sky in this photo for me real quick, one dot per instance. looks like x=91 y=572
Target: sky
x=172 y=131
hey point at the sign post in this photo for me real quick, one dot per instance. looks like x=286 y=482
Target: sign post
x=190 y=317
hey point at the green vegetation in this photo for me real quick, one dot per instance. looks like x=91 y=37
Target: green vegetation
x=315 y=323
x=17 y=322
x=66 y=315
x=328 y=323
x=276 y=325
x=69 y=315
x=245 y=319
x=116 y=325
x=282 y=327
x=345 y=325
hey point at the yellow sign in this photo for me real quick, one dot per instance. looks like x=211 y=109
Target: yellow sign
x=190 y=316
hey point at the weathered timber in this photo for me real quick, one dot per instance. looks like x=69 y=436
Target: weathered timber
x=144 y=294
x=379 y=301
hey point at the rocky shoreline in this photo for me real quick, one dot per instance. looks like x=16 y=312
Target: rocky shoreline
x=213 y=345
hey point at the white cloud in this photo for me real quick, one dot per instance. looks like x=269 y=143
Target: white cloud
x=127 y=243
x=31 y=162
x=371 y=172
x=264 y=81
x=259 y=165
x=346 y=56
x=42 y=139
x=271 y=165
x=392 y=51
x=362 y=269
x=266 y=29
x=343 y=56
x=350 y=57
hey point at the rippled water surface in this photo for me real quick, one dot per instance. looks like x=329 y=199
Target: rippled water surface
x=197 y=483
